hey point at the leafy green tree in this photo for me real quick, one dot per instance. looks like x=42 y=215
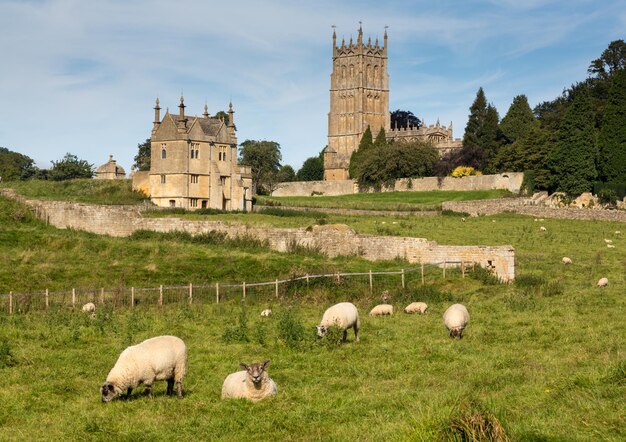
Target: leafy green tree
x=70 y=167
x=573 y=159
x=612 y=60
x=285 y=174
x=15 y=166
x=612 y=139
x=476 y=120
x=404 y=119
x=142 y=159
x=312 y=169
x=264 y=158
x=356 y=159
x=408 y=160
x=221 y=115
x=518 y=121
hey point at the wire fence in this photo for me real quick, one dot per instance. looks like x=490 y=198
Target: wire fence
x=11 y=303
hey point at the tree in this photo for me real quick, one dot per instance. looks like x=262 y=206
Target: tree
x=612 y=139
x=285 y=174
x=490 y=137
x=476 y=120
x=612 y=60
x=356 y=159
x=221 y=115
x=404 y=119
x=15 y=166
x=518 y=121
x=70 y=167
x=312 y=169
x=408 y=160
x=142 y=159
x=573 y=159
x=263 y=157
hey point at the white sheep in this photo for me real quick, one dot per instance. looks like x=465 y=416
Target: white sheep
x=617 y=232
x=416 y=307
x=542 y=228
x=90 y=307
x=382 y=309
x=252 y=383
x=602 y=282
x=608 y=241
x=455 y=319
x=610 y=246
x=343 y=315
x=155 y=359
x=266 y=312
x=566 y=260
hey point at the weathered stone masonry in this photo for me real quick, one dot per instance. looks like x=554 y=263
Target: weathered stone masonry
x=332 y=240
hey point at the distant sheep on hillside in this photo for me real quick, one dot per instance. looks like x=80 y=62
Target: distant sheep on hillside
x=566 y=260
x=416 y=307
x=602 y=282
x=382 y=309
x=90 y=307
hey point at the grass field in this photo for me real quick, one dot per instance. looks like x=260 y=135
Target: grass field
x=544 y=356
x=403 y=201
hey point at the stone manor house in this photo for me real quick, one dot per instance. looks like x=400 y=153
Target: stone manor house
x=359 y=97
x=193 y=163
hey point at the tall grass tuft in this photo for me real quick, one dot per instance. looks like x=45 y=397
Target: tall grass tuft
x=473 y=424
x=617 y=375
x=291 y=330
x=485 y=276
x=238 y=332
x=7 y=359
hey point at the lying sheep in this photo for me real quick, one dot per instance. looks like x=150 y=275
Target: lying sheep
x=252 y=383
x=382 y=309
x=617 y=232
x=610 y=246
x=455 y=319
x=542 y=228
x=90 y=307
x=416 y=307
x=343 y=315
x=566 y=260
x=608 y=241
x=602 y=282
x=155 y=359
x=266 y=312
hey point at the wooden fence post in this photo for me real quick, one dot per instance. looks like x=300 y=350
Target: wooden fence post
x=47 y=299
x=73 y=298
x=422 y=266
x=217 y=292
x=462 y=269
x=102 y=295
x=244 y=290
x=402 y=278
x=10 y=303
x=307 y=279
x=371 y=283
x=132 y=296
x=161 y=294
x=444 y=270
x=190 y=293
x=276 y=289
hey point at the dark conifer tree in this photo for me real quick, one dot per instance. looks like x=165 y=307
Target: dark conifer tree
x=518 y=121
x=612 y=139
x=476 y=120
x=490 y=138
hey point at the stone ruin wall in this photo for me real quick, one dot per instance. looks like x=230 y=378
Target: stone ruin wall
x=509 y=181
x=331 y=240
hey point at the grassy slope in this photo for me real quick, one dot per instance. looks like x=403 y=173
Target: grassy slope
x=539 y=362
x=385 y=200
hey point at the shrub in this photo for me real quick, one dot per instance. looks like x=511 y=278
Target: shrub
x=448 y=212
x=608 y=197
x=475 y=424
x=7 y=359
x=290 y=328
x=485 y=276
x=238 y=332
x=465 y=171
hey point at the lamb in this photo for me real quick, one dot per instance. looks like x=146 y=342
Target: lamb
x=155 y=359
x=343 y=315
x=90 y=307
x=252 y=383
x=602 y=282
x=455 y=319
x=382 y=309
x=542 y=228
x=416 y=307
x=266 y=312
x=566 y=260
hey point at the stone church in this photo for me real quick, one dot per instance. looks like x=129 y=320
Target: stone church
x=359 y=97
x=193 y=163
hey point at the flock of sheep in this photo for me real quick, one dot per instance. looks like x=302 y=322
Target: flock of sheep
x=164 y=358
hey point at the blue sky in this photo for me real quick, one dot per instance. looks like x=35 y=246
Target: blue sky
x=81 y=76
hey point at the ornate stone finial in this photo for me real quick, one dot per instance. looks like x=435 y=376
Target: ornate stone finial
x=350 y=40
x=157 y=112
x=369 y=40
x=231 y=116
x=110 y=158
x=437 y=121
x=157 y=101
x=360 y=36
x=181 y=107
x=343 y=42
x=206 y=111
x=377 y=41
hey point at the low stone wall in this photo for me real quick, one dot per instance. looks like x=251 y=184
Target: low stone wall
x=484 y=207
x=508 y=181
x=258 y=208
x=332 y=240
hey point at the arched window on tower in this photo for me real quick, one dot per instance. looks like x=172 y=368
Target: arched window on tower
x=163 y=151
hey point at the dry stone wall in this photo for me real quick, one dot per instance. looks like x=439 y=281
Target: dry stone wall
x=332 y=240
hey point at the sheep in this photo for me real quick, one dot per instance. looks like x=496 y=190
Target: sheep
x=455 y=319
x=252 y=383
x=90 y=307
x=416 y=307
x=566 y=260
x=617 y=232
x=608 y=241
x=266 y=312
x=610 y=246
x=343 y=315
x=542 y=228
x=155 y=359
x=382 y=309
x=602 y=282
x=463 y=220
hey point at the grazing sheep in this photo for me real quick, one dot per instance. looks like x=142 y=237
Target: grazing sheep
x=266 y=312
x=602 y=282
x=252 y=383
x=617 y=232
x=608 y=241
x=455 y=319
x=416 y=307
x=541 y=220
x=90 y=307
x=610 y=246
x=155 y=359
x=382 y=309
x=542 y=228
x=566 y=260
x=343 y=315
x=462 y=219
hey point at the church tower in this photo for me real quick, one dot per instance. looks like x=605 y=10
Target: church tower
x=359 y=97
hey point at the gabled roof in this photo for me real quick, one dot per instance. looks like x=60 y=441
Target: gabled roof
x=211 y=129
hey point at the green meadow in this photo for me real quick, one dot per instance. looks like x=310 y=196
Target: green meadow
x=542 y=359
